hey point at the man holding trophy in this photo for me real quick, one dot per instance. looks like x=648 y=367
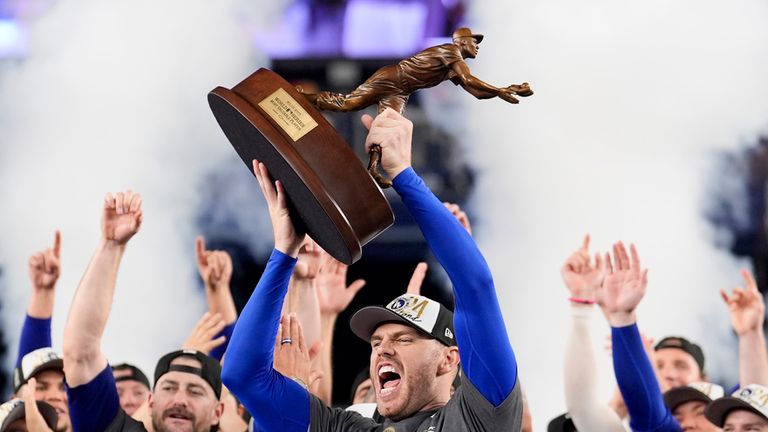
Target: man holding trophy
x=415 y=342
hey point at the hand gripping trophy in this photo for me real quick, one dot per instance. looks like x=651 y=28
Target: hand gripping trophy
x=332 y=196
x=390 y=86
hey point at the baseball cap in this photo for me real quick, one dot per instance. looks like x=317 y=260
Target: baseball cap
x=135 y=374
x=210 y=370
x=466 y=32
x=561 y=423
x=14 y=410
x=695 y=391
x=684 y=344
x=36 y=361
x=753 y=397
x=419 y=312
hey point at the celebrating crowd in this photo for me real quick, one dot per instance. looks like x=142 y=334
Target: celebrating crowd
x=430 y=368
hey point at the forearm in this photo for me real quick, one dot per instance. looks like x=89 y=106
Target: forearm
x=753 y=358
x=480 y=330
x=41 y=304
x=302 y=300
x=276 y=402
x=327 y=325
x=220 y=301
x=637 y=382
x=587 y=412
x=481 y=87
x=88 y=315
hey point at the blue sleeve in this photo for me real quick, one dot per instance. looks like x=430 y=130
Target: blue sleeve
x=219 y=351
x=275 y=402
x=638 y=384
x=94 y=405
x=35 y=333
x=486 y=354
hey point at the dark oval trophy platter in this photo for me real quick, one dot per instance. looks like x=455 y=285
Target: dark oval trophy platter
x=331 y=194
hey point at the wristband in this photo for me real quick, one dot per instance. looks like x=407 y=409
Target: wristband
x=581 y=301
x=301 y=382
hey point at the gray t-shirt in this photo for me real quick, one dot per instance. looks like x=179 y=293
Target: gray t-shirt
x=467 y=411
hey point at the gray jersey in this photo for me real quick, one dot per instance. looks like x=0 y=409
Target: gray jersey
x=467 y=411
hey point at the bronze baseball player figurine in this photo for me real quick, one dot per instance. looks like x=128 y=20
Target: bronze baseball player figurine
x=390 y=86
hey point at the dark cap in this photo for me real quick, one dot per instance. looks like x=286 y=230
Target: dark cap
x=753 y=398
x=684 y=344
x=419 y=312
x=562 y=423
x=695 y=391
x=210 y=370
x=34 y=362
x=466 y=32
x=135 y=374
x=14 y=410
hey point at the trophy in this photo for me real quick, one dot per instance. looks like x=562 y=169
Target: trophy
x=332 y=197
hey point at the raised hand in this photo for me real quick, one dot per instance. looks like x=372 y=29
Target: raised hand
x=45 y=266
x=288 y=239
x=333 y=294
x=623 y=287
x=202 y=336
x=291 y=356
x=122 y=217
x=214 y=266
x=581 y=274
x=460 y=215
x=393 y=133
x=311 y=258
x=745 y=305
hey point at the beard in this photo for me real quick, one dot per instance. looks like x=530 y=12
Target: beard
x=159 y=425
x=418 y=390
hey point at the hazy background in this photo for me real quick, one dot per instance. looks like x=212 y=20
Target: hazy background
x=633 y=102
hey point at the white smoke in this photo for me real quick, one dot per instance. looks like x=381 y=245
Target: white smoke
x=632 y=101
x=112 y=96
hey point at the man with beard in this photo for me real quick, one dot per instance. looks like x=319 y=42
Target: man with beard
x=415 y=344
x=187 y=383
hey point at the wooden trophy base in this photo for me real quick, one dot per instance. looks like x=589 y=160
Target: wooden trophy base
x=331 y=194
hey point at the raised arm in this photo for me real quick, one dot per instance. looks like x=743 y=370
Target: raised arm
x=44 y=271
x=83 y=359
x=215 y=269
x=619 y=295
x=334 y=296
x=582 y=276
x=484 y=347
x=93 y=399
x=276 y=402
x=747 y=311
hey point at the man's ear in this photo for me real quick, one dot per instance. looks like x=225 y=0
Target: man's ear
x=450 y=360
x=218 y=413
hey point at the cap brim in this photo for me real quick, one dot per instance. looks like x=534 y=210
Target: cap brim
x=365 y=321
x=680 y=395
x=478 y=37
x=15 y=414
x=719 y=409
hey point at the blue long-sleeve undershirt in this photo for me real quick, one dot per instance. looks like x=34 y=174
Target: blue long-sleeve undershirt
x=638 y=384
x=35 y=334
x=276 y=402
x=486 y=354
